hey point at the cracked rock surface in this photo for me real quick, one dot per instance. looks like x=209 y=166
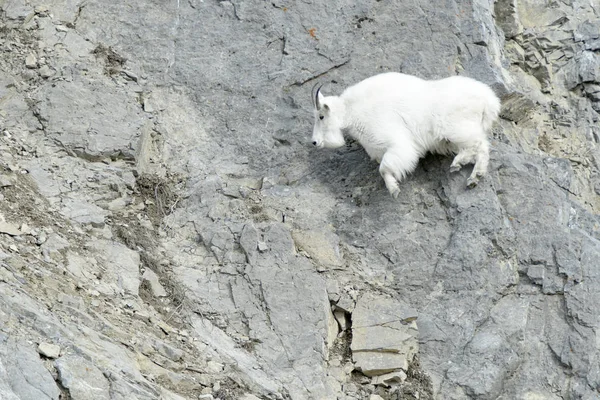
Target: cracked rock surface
x=166 y=231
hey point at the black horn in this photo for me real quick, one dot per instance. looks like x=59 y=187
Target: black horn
x=315 y=95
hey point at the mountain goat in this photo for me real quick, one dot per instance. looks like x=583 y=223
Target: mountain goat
x=398 y=118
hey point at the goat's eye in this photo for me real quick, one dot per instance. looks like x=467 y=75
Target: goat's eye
x=321 y=116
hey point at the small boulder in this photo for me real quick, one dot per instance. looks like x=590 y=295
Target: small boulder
x=49 y=350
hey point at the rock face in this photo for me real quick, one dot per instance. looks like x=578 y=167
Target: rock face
x=167 y=232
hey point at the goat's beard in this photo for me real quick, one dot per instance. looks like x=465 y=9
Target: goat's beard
x=334 y=143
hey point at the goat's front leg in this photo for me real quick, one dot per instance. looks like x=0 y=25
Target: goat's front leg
x=395 y=165
x=390 y=183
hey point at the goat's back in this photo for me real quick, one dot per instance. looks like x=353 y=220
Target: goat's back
x=391 y=108
x=463 y=98
x=456 y=96
x=383 y=88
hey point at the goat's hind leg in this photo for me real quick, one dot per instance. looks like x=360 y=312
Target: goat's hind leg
x=466 y=155
x=482 y=160
x=474 y=148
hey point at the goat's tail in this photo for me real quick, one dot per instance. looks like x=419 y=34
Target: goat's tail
x=491 y=110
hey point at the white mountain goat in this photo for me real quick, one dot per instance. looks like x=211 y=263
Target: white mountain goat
x=398 y=118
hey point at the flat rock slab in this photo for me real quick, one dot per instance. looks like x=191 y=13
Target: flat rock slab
x=321 y=245
x=84 y=212
x=373 y=363
x=384 y=335
x=91 y=120
x=391 y=338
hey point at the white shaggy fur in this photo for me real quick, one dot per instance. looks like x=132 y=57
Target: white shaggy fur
x=398 y=118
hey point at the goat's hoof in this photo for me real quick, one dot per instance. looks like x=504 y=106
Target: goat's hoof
x=454 y=168
x=472 y=182
x=395 y=192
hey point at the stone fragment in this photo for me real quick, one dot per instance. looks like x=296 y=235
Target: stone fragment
x=157 y=289
x=130 y=75
x=41 y=10
x=5 y=181
x=232 y=191
x=10 y=229
x=46 y=72
x=49 y=350
x=346 y=302
x=31 y=61
x=392 y=378
x=332 y=329
x=342 y=320
x=26 y=229
x=82 y=379
x=378 y=363
x=148 y=105
x=262 y=246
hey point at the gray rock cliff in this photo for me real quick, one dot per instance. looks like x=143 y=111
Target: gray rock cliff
x=167 y=232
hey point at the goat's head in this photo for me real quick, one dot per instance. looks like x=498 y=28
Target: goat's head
x=329 y=120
